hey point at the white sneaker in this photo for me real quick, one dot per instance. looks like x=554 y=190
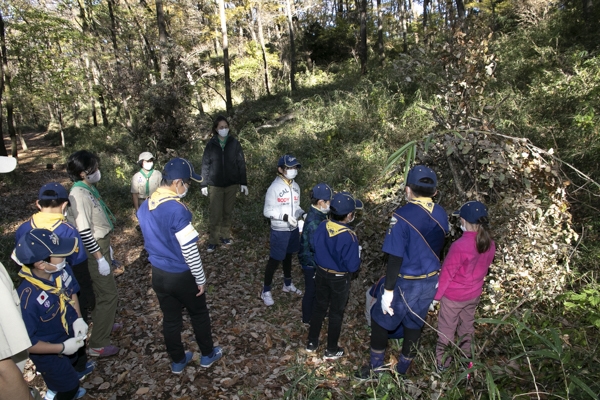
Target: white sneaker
x=291 y=289
x=267 y=298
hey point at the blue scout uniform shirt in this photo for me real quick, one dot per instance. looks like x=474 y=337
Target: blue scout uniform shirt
x=336 y=247
x=41 y=310
x=418 y=237
x=159 y=226
x=56 y=223
x=306 y=256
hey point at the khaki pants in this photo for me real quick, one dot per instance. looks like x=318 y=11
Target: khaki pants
x=105 y=290
x=222 y=200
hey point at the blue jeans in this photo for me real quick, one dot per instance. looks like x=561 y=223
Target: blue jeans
x=310 y=290
x=174 y=291
x=332 y=294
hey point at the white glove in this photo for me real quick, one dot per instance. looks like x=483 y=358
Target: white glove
x=205 y=191
x=72 y=345
x=80 y=328
x=244 y=189
x=433 y=304
x=292 y=221
x=386 y=302
x=300 y=225
x=103 y=266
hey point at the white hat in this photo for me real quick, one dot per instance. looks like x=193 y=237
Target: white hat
x=145 y=156
x=7 y=164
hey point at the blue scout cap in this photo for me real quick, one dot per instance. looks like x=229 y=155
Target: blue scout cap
x=53 y=191
x=472 y=211
x=180 y=168
x=288 y=161
x=420 y=172
x=39 y=244
x=322 y=191
x=343 y=203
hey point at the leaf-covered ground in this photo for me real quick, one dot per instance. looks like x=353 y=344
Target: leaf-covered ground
x=263 y=346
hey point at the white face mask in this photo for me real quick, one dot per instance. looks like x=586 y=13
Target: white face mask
x=59 y=267
x=353 y=216
x=95 y=177
x=181 y=195
x=223 y=132
x=325 y=210
x=291 y=173
x=464 y=229
x=147 y=165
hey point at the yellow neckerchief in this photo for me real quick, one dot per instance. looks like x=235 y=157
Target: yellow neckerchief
x=160 y=196
x=44 y=220
x=425 y=202
x=335 y=228
x=287 y=181
x=63 y=299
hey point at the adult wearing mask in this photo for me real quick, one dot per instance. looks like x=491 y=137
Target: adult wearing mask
x=224 y=173
x=145 y=181
x=95 y=223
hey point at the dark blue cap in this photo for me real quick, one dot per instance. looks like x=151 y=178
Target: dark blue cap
x=472 y=211
x=180 y=168
x=53 y=191
x=39 y=244
x=322 y=191
x=343 y=203
x=288 y=161
x=418 y=174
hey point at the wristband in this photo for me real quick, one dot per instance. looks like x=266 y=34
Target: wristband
x=63 y=349
x=285 y=217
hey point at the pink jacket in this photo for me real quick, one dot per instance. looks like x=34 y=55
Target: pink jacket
x=462 y=274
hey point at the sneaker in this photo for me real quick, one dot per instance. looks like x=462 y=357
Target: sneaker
x=207 y=361
x=105 y=351
x=366 y=373
x=89 y=368
x=333 y=355
x=211 y=248
x=311 y=347
x=51 y=394
x=177 y=368
x=291 y=289
x=267 y=298
x=227 y=242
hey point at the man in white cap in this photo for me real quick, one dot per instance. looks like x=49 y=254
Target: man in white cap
x=14 y=340
x=145 y=181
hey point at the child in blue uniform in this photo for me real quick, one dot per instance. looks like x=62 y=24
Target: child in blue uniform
x=337 y=257
x=50 y=309
x=413 y=244
x=52 y=202
x=320 y=198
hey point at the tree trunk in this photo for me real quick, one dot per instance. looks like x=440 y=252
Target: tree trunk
x=228 y=102
x=119 y=66
x=19 y=123
x=587 y=9
x=262 y=47
x=292 y=46
x=2 y=41
x=460 y=8
x=7 y=92
x=60 y=124
x=97 y=83
x=380 y=48
x=363 y=37
x=162 y=38
x=403 y=16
